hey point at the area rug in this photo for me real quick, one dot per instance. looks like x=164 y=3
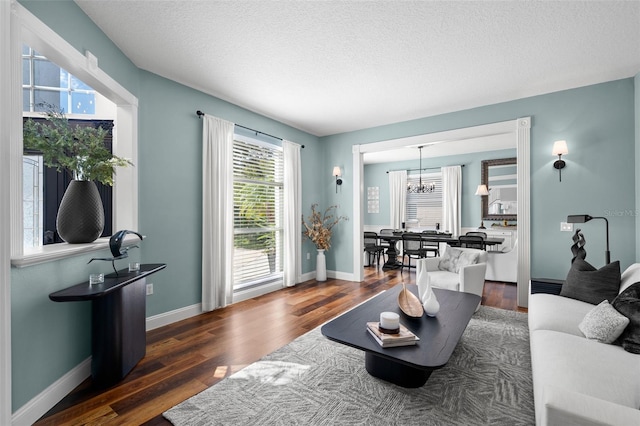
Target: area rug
x=314 y=381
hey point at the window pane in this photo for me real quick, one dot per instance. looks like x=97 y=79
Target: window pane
x=26 y=100
x=25 y=50
x=46 y=73
x=83 y=103
x=46 y=97
x=26 y=72
x=77 y=84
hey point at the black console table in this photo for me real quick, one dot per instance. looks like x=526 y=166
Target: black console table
x=118 y=321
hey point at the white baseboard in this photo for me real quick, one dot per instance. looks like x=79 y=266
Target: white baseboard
x=45 y=400
x=167 y=318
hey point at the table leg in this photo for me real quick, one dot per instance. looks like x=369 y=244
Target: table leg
x=394 y=372
x=118 y=335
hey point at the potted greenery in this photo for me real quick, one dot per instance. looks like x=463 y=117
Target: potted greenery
x=81 y=152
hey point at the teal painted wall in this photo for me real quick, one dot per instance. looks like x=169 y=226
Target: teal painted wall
x=376 y=175
x=170 y=157
x=49 y=339
x=598 y=123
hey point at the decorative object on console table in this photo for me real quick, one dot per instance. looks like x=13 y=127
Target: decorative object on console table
x=115 y=245
x=582 y=218
x=81 y=152
x=319 y=230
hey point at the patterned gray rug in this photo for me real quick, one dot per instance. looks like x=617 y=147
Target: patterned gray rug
x=313 y=381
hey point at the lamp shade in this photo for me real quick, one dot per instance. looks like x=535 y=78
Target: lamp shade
x=482 y=190
x=560 y=148
x=336 y=171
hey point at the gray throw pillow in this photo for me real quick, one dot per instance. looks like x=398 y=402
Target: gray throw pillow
x=449 y=261
x=628 y=304
x=591 y=285
x=603 y=323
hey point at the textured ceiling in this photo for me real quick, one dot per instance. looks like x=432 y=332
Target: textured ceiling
x=328 y=67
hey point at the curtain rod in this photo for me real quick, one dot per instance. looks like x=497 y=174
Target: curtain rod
x=200 y=114
x=424 y=168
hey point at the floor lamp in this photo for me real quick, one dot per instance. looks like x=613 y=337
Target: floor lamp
x=582 y=218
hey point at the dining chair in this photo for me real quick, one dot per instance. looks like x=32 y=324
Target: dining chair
x=472 y=241
x=430 y=246
x=480 y=233
x=372 y=247
x=412 y=248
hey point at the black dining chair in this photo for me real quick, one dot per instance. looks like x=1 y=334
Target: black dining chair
x=479 y=233
x=412 y=248
x=372 y=247
x=472 y=241
x=430 y=246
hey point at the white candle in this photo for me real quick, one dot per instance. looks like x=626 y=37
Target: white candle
x=389 y=320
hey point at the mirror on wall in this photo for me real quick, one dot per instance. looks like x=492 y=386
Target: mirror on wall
x=501 y=177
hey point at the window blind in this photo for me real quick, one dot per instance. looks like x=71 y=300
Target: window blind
x=425 y=207
x=258 y=210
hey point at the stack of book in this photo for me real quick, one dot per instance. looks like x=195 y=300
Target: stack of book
x=404 y=337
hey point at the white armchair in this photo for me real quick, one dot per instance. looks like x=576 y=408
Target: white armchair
x=503 y=265
x=468 y=279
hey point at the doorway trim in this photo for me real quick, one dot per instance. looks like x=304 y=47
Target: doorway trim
x=521 y=130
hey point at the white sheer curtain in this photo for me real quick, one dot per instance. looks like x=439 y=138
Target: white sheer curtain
x=397 y=197
x=217 y=213
x=451 y=195
x=292 y=213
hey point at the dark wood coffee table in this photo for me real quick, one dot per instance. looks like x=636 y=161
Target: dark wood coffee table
x=407 y=366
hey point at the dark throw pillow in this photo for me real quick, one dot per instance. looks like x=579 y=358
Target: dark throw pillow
x=591 y=285
x=628 y=304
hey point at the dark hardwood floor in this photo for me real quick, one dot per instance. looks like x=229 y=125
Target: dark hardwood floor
x=189 y=356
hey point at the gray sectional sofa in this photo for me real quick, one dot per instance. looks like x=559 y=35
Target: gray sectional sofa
x=576 y=380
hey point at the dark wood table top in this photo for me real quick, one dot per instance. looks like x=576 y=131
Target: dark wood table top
x=438 y=335
x=435 y=238
x=84 y=291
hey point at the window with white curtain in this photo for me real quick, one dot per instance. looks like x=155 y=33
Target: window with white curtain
x=258 y=169
x=425 y=207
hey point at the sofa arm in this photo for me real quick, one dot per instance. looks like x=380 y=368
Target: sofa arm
x=545 y=285
x=563 y=407
x=472 y=278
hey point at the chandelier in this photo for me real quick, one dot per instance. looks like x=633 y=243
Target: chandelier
x=421 y=187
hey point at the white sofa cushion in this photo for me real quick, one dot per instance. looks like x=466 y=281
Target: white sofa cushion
x=444 y=279
x=551 y=312
x=583 y=366
x=631 y=275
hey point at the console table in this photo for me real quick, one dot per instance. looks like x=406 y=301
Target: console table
x=118 y=321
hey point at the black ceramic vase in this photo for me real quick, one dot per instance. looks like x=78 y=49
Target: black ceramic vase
x=80 y=215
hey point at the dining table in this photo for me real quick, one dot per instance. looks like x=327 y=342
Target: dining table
x=392 y=254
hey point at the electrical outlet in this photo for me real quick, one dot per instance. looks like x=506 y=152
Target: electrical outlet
x=566 y=227
x=149 y=289
x=308 y=256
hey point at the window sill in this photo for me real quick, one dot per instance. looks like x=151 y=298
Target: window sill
x=53 y=252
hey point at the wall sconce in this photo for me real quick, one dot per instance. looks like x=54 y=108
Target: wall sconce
x=560 y=149
x=582 y=218
x=337 y=173
x=482 y=190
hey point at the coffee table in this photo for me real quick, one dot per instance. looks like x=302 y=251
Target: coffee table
x=406 y=366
